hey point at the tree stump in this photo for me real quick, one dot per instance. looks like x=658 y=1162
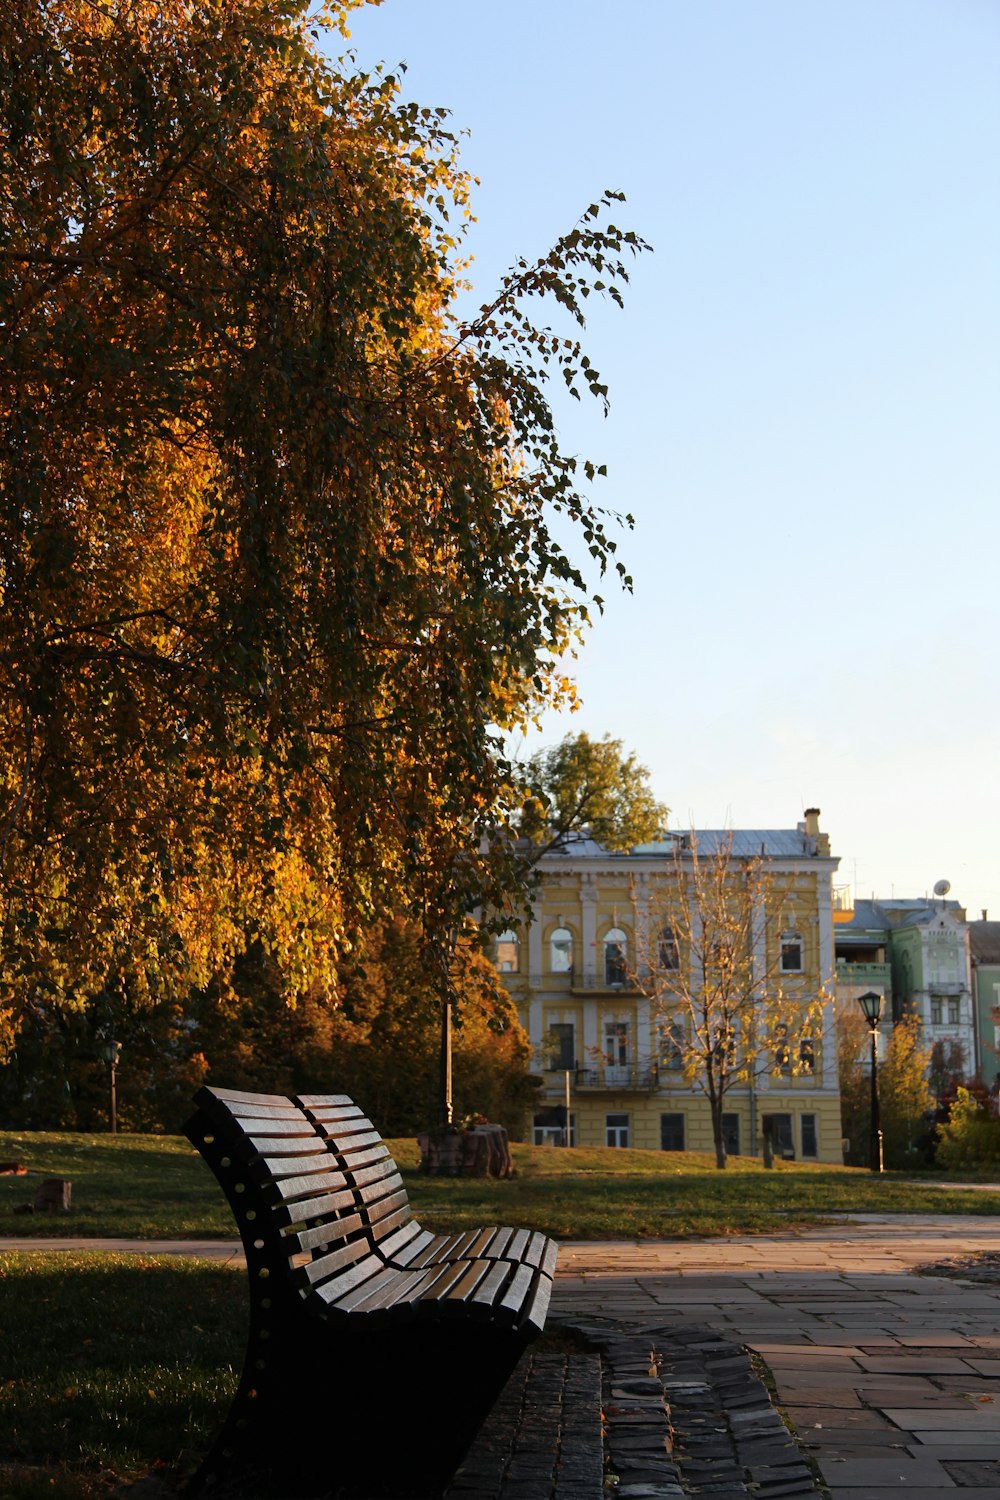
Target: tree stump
x=53 y=1196
x=482 y=1151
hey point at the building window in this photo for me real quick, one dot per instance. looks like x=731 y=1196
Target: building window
x=780 y=1129
x=563 y=1054
x=508 y=953
x=807 y=1055
x=953 y=1012
x=616 y=1128
x=935 y=1010
x=549 y=1127
x=617 y=1051
x=673 y=1038
x=810 y=1141
x=667 y=950
x=615 y=951
x=731 y=1133
x=561 y=951
x=791 y=953
x=671 y=1132
x=782 y=1052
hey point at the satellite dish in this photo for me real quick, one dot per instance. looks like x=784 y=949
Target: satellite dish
x=942 y=887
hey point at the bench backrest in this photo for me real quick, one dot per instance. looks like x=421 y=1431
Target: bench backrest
x=309 y=1181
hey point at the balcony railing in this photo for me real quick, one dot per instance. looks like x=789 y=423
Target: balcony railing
x=878 y=976
x=631 y=1080
x=590 y=983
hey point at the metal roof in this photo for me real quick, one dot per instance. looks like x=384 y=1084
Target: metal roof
x=984 y=942
x=747 y=843
x=884 y=915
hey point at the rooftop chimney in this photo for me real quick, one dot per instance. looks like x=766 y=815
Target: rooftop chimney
x=812 y=822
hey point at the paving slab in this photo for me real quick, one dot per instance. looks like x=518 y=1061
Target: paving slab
x=895 y=1471
x=872 y=1362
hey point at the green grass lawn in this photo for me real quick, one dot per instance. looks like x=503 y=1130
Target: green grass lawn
x=156 y=1186
x=114 y=1367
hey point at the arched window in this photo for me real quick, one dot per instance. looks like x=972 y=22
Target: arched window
x=508 y=953
x=561 y=951
x=791 y=952
x=615 y=956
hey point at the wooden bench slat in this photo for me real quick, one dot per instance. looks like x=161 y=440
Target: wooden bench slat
x=384 y=1204
x=518 y=1243
x=386 y=1187
x=421 y=1238
x=279 y=1154
x=460 y=1291
x=394 y=1244
x=536 y=1249
x=513 y=1300
x=549 y=1259
x=333 y=1217
x=433 y=1253
x=346 y=1118
x=478 y=1246
x=384 y=1167
x=343 y=1144
x=358 y=1159
x=261 y=1125
x=324 y=1266
x=410 y=1290
x=443 y=1284
x=485 y=1296
x=498 y=1243
x=384 y=1226
x=386 y=1282
x=324 y=1101
x=298 y=1210
x=296 y=1187
x=330 y=1292
x=236 y=1097
x=455 y=1245
x=537 y=1304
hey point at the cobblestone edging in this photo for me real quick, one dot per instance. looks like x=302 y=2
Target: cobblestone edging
x=683 y=1414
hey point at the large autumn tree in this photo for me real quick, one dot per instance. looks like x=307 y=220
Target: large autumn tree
x=277 y=564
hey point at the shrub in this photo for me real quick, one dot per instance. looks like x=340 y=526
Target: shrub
x=970 y=1138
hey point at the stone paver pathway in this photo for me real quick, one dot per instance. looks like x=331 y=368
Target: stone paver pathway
x=891 y=1379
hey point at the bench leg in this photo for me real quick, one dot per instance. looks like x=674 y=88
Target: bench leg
x=368 y=1414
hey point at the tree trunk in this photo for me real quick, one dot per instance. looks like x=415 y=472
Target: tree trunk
x=720 y=1143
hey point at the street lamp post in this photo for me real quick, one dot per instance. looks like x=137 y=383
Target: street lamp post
x=111 y=1051
x=446 y=1109
x=871 y=1009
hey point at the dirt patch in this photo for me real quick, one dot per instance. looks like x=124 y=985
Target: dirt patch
x=980 y=1265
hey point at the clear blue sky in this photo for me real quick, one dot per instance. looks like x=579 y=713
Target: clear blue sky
x=805 y=389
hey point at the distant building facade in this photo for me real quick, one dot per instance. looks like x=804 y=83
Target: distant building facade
x=984 y=952
x=576 y=973
x=916 y=953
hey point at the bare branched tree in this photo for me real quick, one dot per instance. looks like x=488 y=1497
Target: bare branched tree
x=716 y=948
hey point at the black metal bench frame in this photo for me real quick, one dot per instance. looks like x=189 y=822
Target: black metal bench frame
x=360 y=1320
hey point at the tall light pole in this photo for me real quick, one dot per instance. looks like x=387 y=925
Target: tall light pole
x=111 y=1051
x=871 y=1009
x=446 y=952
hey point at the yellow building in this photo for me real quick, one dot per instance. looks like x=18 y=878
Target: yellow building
x=587 y=975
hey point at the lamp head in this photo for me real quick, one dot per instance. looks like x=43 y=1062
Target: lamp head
x=871 y=1006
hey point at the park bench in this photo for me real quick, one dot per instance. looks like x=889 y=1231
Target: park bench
x=376 y=1348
